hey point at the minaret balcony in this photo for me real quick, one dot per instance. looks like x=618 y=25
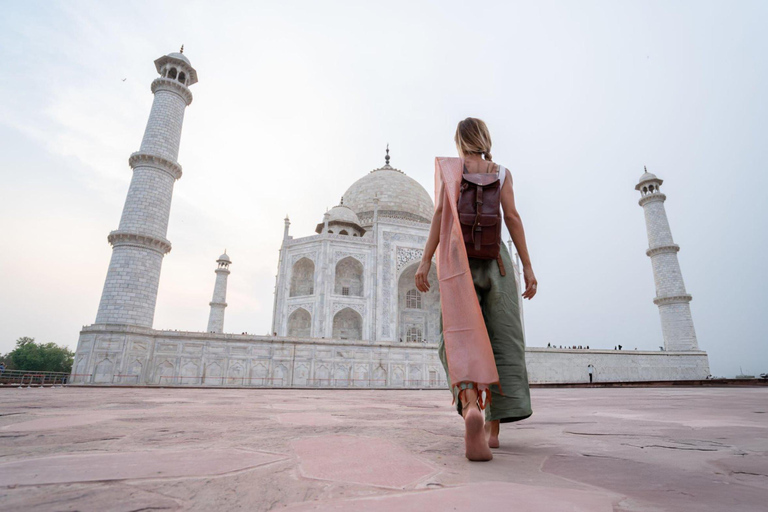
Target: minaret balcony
x=142 y=159
x=653 y=251
x=121 y=238
x=167 y=84
x=672 y=299
x=649 y=198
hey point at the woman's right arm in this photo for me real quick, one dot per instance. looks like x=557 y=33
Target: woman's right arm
x=422 y=281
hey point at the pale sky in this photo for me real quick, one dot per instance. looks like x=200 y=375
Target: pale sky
x=304 y=96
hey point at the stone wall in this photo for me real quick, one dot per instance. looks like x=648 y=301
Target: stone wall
x=119 y=354
x=568 y=365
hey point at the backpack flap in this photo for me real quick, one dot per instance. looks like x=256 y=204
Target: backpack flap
x=481 y=178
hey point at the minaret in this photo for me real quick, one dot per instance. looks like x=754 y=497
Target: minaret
x=287 y=227
x=671 y=297
x=219 y=300
x=139 y=243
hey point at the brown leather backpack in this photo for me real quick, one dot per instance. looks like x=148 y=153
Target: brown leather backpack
x=479 y=209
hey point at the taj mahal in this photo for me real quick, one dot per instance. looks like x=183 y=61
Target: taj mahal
x=346 y=312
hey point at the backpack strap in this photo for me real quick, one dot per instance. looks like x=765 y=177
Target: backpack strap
x=502 y=271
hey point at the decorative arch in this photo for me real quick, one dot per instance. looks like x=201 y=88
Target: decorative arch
x=349 y=277
x=190 y=373
x=279 y=375
x=103 y=371
x=236 y=374
x=414 y=377
x=322 y=376
x=301 y=374
x=418 y=314
x=172 y=74
x=259 y=374
x=348 y=325
x=398 y=376
x=300 y=324
x=182 y=77
x=133 y=372
x=165 y=371
x=434 y=377
x=302 y=278
x=361 y=376
x=213 y=374
x=341 y=376
x=380 y=377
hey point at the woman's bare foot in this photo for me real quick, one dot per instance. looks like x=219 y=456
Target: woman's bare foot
x=474 y=433
x=474 y=437
x=492 y=433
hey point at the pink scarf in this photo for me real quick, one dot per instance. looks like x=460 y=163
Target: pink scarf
x=467 y=346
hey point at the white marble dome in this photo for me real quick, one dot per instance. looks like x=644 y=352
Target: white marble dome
x=399 y=196
x=342 y=213
x=646 y=177
x=180 y=56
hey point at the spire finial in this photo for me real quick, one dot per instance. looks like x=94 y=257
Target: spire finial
x=645 y=168
x=182 y=49
x=386 y=158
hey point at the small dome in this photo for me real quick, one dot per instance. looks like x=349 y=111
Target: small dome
x=180 y=56
x=647 y=176
x=224 y=257
x=343 y=213
x=174 y=59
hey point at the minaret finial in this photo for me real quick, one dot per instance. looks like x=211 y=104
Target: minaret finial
x=645 y=168
x=386 y=158
x=341 y=201
x=182 y=49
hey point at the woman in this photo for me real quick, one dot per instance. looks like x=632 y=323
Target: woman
x=481 y=342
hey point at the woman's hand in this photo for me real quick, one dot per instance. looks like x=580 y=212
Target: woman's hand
x=530 y=283
x=422 y=282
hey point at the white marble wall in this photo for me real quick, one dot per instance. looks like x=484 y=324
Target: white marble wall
x=114 y=354
x=568 y=365
x=133 y=355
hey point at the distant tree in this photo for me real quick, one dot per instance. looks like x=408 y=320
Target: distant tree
x=39 y=357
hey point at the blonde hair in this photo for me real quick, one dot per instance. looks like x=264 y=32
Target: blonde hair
x=472 y=136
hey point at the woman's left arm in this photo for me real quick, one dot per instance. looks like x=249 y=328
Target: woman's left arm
x=515 y=226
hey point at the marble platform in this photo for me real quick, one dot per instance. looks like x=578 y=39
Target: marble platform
x=584 y=449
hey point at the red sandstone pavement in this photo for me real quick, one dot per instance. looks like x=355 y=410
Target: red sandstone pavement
x=588 y=449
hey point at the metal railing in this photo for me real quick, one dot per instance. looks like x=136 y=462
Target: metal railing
x=33 y=378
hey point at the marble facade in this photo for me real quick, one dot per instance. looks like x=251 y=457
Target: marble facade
x=122 y=355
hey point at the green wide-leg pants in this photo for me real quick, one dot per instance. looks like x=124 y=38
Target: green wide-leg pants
x=500 y=303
